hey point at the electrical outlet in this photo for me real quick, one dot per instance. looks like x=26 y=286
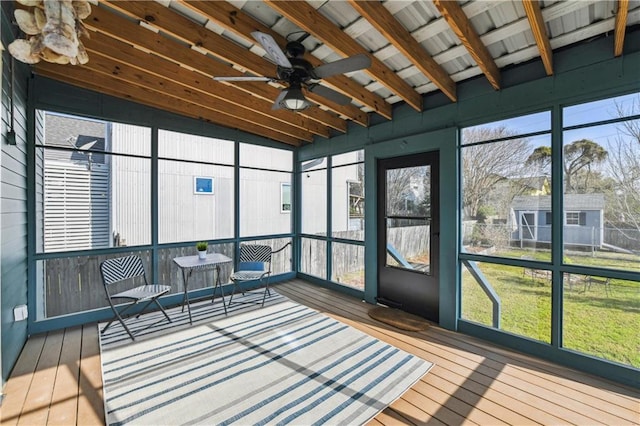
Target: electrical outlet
x=11 y=137
x=20 y=313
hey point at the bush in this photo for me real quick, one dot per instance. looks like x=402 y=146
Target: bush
x=484 y=212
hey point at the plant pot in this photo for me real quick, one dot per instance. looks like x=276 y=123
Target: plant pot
x=202 y=255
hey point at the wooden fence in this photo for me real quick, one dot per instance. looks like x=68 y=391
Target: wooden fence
x=74 y=284
x=349 y=258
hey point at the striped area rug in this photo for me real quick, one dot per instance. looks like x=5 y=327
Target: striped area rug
x=281 y=364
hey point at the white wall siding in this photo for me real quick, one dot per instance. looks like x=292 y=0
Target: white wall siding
x=80 y=215
x=76 y=208
x=260 y=203
x=130 y=184
x=186 y=216
x=340 y=178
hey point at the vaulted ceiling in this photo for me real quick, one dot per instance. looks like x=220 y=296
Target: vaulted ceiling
x=164 y=53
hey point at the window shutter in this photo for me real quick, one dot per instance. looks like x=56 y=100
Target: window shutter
x=583 y=218
x=547 y=218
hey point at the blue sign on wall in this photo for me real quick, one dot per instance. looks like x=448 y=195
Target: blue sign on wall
x=203 y=185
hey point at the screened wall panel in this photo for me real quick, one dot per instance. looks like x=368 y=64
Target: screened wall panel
x=184 y=214
x=261 y=210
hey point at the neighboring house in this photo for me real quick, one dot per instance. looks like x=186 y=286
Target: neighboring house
x=73 y=185
x=87 y=196
x=534 y=185
x=583 y=219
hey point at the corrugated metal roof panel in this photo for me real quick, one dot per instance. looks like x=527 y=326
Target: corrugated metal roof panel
x=502 y=25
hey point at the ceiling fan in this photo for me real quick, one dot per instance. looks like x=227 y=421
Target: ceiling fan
x=297 y=73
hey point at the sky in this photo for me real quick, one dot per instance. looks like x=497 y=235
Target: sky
x=605 y=135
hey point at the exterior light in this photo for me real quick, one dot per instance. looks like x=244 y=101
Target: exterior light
x=294 y=100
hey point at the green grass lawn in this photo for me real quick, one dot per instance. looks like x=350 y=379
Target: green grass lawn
x=606 y=326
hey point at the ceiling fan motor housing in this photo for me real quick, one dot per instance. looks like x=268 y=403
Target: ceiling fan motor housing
x=295 y=49
x=300 y=71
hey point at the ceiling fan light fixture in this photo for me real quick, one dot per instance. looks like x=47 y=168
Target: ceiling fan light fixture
x=294 y=100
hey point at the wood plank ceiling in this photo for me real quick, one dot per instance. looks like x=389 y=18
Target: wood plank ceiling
x=165 y=53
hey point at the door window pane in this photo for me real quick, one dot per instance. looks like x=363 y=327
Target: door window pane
x=408 y=191
x=408 y=211
x=408 y=244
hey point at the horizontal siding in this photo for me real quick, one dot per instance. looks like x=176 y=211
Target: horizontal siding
x=76 y=209
x=13 y=200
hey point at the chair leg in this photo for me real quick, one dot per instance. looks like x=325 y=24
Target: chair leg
x=266 y=290
x=119 y=318
x=162 y=309
x=145 y=307
x=233 y=292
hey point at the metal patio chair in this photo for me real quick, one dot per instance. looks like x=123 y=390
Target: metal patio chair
x=123 y=269
x=254 y=264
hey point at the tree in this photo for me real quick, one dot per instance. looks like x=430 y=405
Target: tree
x=405 y=190
x=541 y=156
x=484 y=166
x=623 y=166
x=579 y=156
x=578 y=159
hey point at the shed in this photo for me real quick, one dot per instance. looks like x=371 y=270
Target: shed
x=583 y=219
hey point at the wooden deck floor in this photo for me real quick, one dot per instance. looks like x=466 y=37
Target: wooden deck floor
x=57 y=380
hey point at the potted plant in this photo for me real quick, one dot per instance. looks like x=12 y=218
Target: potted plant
x=201 y=246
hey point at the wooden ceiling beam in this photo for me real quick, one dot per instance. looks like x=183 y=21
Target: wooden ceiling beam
x=382 y=20
x=91 y=80
x=241 y=24
x=194 y=34
x=104 y=45
x=620 y=26
x=101 y=20
x=461 y=26
x=538 y=28
x=306 y=17
x=134 y=76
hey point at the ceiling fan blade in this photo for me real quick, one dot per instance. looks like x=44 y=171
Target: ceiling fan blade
x=330 y=94
x=239 y=78
x=341 y=66
x=273 y=50
x=276 y=103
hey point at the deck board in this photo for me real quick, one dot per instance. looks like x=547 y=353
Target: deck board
x=64 y=402
x=488 y=371
x=90 y=402
x=57 y=379
x=38 y=401
x=17 y=387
